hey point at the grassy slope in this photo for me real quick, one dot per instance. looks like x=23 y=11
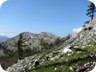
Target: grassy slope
x=64 y=64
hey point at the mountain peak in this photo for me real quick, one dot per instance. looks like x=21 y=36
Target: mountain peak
x=27 y=43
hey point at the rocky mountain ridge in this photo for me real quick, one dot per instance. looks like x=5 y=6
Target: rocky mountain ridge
x=26 y=44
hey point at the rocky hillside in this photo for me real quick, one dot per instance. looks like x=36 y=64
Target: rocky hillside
x=74 y=53
x=87 y=37
x=25 y=44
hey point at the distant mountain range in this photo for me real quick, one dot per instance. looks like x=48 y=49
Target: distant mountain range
x=3 y=38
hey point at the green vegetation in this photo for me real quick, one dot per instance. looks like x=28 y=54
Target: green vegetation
x=63 y=65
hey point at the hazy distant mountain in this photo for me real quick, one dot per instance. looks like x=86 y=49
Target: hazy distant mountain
x=3 y=38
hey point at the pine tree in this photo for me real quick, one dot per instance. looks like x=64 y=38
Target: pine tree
x=91 y=10
x=20 y=45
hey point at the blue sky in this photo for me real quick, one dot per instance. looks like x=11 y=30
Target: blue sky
x=59 y=17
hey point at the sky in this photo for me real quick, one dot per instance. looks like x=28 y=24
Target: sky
x=59 y=17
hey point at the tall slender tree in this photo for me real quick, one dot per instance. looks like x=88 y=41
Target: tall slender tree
x=20 y=45
x=91 y=10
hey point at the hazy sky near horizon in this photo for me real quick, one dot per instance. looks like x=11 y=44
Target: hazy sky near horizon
x=59 y=17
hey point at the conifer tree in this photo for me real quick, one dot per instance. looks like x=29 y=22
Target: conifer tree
x=91 y=10
x=20 y=46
